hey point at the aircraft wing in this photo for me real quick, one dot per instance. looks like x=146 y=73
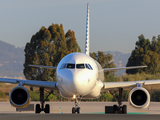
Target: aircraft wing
x=122 y=68
x=33 y=83
x=41 y=66
x=114 y=85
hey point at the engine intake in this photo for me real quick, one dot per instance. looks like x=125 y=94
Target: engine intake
x=19 y=97
x=139 y=97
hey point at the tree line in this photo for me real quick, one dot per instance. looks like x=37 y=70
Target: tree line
x=49 y=45
x=146 y=52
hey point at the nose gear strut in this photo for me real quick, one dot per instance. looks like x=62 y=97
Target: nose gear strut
x=76 y=109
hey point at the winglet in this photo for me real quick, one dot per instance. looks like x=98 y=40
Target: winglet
x=87 y=32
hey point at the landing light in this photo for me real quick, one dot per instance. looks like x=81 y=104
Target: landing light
x=74 y=96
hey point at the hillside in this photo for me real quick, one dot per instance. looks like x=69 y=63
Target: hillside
x=11 y=60
x=120 y=59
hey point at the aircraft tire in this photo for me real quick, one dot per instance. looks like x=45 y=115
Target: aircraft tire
x=73 y=110
x=47 y=108
x=115 y=108
x=38 y=109
x=78 y=110
x=124 y=109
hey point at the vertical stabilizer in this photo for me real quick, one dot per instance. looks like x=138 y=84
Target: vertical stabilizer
x=87 y=32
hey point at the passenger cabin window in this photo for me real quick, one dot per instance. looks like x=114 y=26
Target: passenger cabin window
x=80 y=66
x=71 y=66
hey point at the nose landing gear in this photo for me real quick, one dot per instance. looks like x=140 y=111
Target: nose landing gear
x=76 y=109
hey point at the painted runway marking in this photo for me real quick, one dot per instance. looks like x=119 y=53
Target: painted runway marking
x=127 y=113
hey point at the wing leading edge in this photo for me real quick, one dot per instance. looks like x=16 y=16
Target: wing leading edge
x=33 y=83
x=41 y=66
x=114 y=85
x=123 y=68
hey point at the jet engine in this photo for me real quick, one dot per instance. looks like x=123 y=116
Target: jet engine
x=139 y=97
x=19 y=97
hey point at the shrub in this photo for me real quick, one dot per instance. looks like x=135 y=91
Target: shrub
x=35 y=95
x=2 y=95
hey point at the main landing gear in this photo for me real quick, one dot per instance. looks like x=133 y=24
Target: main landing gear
x=42 y=100
x=76 y=109
x=119 y=108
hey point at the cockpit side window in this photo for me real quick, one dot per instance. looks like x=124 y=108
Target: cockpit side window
x=63 y=66
x=87 y=66
x=80 y=66
x=90 y=66
x=71 y=66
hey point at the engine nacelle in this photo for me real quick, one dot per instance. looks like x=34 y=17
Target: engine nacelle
x=19 y=97
x=139 y=97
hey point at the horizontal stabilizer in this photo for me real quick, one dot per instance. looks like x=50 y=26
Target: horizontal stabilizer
x=123 y=68
x=41 y=66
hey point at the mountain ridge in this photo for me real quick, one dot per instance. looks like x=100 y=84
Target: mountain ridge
x=120 y=59
x=12 y=60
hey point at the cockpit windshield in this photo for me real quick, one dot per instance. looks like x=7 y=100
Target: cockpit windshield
x=70 y=66
x=80 y=66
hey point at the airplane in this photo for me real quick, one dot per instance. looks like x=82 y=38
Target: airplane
x=80 y=77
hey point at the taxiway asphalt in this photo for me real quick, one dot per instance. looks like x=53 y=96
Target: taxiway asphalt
x=89 y=111
x=29 y=116
x=86 y=108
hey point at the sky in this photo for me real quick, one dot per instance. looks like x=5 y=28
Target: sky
x=114 y=24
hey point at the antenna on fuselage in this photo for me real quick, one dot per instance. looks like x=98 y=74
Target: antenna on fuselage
x=87 y=32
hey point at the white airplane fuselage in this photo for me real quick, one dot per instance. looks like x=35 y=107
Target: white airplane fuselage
x=78 y=74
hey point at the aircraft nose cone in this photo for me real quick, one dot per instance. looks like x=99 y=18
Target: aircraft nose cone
x=77 y=82
x=74 y=81
x=80 y=82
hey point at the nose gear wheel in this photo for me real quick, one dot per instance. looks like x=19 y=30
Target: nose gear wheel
x=76 y=109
